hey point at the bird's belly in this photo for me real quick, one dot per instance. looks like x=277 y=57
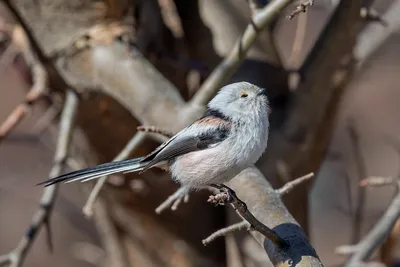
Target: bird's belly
x=204 y=167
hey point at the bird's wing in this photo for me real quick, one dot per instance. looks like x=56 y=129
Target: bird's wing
x=202 y=134
x=205 y=132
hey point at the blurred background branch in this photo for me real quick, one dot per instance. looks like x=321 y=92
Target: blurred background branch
x=157 y=63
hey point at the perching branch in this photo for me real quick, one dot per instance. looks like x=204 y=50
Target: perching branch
x=214 y=81
x=227 y=195
x=42 y=216
x=381 y=230
x=227 y=230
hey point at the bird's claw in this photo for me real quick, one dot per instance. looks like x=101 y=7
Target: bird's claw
x=225 y=196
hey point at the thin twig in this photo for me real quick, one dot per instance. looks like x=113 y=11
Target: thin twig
x=108 y=232
x=346 y=250
x=378 y=233
x=302 y=8
x=377 y=181
x=298 y=43
x=373 y=36
x=46 y=119
x=174 y=200
x=292 y=184
x=155 y=129
x=133 y=144
x=42 y=216
x=229 y=196
x=38 y=89
x=225 y=231
x=226 y=68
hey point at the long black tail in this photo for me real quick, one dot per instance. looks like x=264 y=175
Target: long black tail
x=95 y=172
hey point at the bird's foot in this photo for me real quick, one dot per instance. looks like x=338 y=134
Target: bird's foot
x=225 y=196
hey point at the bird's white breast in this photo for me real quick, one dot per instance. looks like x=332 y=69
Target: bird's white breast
x=221 y=163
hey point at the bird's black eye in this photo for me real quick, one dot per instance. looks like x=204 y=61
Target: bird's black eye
x=244 y=95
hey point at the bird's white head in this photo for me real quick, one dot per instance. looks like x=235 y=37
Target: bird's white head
x=240 y=101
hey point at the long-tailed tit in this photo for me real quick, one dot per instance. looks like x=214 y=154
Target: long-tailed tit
x=230 y=137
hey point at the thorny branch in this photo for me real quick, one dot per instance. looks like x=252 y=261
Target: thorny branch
x=42 y=216
x=364 y=249
x=302 y=8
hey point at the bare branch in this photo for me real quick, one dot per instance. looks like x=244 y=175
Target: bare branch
x=133 y=144
x=46 y=119
x=155 y=129
x=373 y=36
x=227 y=195
x=225 y=231
x=225 y=69
x=302 y=8
x=109 y=235
x=42 y=216
x=37 y=90
x=377 y=181
x=174 y=200
x=378 y=233
x=292 y=184
x=346 y=249
x=298 y=43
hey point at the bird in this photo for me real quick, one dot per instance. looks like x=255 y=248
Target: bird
x=230 y=137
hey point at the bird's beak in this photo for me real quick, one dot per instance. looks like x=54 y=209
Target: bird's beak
x=262 y=91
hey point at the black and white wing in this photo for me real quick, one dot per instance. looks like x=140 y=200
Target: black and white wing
x=206 y=132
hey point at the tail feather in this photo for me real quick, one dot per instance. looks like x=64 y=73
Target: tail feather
x=98 y=171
